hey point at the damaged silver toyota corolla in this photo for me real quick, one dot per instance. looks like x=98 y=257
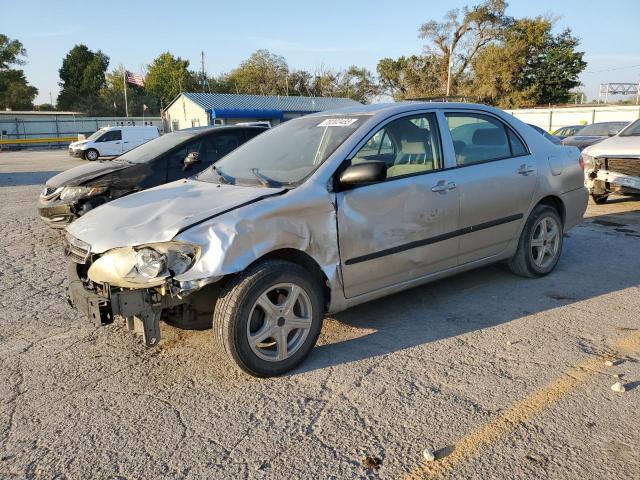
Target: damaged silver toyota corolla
x=322 y=213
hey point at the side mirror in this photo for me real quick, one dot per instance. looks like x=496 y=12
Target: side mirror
x=363 y=173
x=191 y=159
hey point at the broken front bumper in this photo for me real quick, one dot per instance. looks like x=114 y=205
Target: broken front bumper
x=620 y=179
x=141 y=308
x=57 y=216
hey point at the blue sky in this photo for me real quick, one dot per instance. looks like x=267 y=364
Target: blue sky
x=336 y=33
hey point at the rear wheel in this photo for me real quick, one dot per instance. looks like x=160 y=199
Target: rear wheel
x=268 y=319
x=600 y=199
x=540 y=243
x=91 y=154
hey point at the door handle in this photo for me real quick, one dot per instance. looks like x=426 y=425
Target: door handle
x=526 y=169
x=443 y=187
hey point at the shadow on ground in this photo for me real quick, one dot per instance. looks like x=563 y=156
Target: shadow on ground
x=462 y=303
x=19 y=179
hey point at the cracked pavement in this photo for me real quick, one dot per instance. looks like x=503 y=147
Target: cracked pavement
x=421 y=369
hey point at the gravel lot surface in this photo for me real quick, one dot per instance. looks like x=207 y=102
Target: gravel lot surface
x=502 y=377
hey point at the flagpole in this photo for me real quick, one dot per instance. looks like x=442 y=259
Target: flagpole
x=124 y=83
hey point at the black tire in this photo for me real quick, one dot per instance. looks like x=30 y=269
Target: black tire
x=523 y=263
x=91 y=154
x=600 y=199
x=236 y=302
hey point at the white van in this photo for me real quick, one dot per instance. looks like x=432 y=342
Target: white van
x=112 y=141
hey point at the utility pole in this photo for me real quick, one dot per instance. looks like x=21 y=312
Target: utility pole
x=204 y=78
x=449 y=70
x=124 y=84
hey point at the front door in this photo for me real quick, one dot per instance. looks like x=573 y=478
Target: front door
x=210 y=149
x=110 y=143
x=496 y=177
x=399 y=229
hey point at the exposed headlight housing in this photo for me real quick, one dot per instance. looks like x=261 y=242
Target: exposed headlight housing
x=144 y=265
x=587 y=161
x=150 y=263
x=72 y=194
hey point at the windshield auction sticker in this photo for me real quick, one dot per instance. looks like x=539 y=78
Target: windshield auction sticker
x=337 y=122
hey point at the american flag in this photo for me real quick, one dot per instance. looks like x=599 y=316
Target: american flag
x=135 y=79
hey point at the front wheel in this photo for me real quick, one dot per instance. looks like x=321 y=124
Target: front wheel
x=91 y=154
x=540 y=243
x=267 y=320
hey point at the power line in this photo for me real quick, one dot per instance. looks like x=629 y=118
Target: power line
x=613 y=69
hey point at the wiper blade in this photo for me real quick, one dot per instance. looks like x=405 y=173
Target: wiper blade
x=228 y=179
x=264 y=180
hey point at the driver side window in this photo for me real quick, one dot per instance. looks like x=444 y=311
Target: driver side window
x=110 y=136
x=407 y=146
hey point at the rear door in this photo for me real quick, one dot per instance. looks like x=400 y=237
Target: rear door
x=496 y=177
x=130 y=139
x=399 y=229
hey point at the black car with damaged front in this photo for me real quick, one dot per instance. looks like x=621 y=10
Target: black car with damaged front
x=171 y=157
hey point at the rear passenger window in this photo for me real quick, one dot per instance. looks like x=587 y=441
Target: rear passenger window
x=480 y=138
x=408 y=145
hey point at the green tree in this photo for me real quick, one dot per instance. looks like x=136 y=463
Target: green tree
x=82 y=78
x=299 y=83
x=15 y=91
x=167 y=76
x=410 y=77
x=219 y=84
x=357 y=83
x=460 y=37
x=10 y=52
x=263 y=73
x=137 y=97
x=354 y=82
x=45 y=107
x=530 y=66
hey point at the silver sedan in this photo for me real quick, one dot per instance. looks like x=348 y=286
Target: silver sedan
x=322 y=213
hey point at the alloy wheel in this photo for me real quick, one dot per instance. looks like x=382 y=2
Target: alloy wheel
x=545 y=242
x=279 y=322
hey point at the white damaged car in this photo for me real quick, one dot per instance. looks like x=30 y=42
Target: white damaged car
x=322 y=213
x=613 y=165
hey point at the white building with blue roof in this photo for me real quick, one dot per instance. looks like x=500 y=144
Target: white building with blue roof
x=200 y=109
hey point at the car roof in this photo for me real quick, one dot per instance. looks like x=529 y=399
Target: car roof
x=387 y=109
x=193 y=131
x=609 y=123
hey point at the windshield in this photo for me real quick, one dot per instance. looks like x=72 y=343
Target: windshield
x=150 y=150
x=284 y=155
x=95 y=135
x=602 y=129
x=632 y=130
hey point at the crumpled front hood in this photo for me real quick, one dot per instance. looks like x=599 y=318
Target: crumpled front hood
x=79 y=175
x=616 y=146
x=158 y=214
